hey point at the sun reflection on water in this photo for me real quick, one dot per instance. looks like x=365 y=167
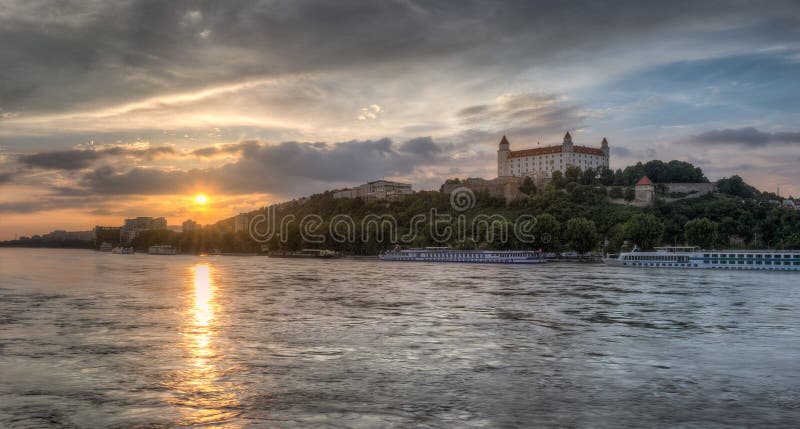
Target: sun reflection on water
x=202 y=397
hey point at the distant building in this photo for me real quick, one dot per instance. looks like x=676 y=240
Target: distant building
x=502 y=187
x=61 y=235
x=377 y=190
x=189 y=226
x=645 y=190
x=241 y=222
x=106 y=234
x=541 y=162
x=133 y=227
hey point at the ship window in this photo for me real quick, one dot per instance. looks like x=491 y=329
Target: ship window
x=714 y=255
x=705 y=255
x=741 y=255
x=786 y=263
x=749 y=255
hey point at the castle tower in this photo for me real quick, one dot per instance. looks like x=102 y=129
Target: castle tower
x=604 y=147
x=567 y=144
x=502 y=158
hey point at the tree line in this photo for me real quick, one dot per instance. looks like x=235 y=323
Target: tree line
x=572 y=212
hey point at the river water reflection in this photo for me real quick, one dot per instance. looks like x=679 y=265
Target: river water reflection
x=92 y=340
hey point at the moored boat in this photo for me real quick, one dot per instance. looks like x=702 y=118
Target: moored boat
x=306 y=253
x=162 y=249
x=446 y=254
x=123 y=250
x=694 y=257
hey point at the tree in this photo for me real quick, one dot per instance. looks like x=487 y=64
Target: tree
x=606 y=176
x=630 y=194
x=644 y=230
x=619 y=179
x=528 y=187
x=792 y=242
x=735 y=186
x=588 y=177
x=701 y=232
x=546 y=232
x=573 y=174
x=666 y=172
x=581 y=235
x=558 y=180
x=616 y=193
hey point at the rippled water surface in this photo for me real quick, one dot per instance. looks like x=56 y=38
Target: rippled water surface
x=92 y=339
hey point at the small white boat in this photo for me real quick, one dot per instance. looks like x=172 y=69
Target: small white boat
x=106 y=247
x=123 y=250
x=162 y=249
x=446 y=254
x=694 y=257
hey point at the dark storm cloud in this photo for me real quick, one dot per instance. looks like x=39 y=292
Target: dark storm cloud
x=620 y=151
x=61 y=160
x=277 y=169
x=423 y=146
x=46 y=204
x=107 y=52
x=749 y=136
x=78 y=159
x=6 y=177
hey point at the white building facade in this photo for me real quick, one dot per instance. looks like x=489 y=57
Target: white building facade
x=377 y=190
x=541 y=162
x=133 y=227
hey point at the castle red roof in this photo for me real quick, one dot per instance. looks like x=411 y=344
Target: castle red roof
x=554 y=149
x=589 y=150
x=536 y=151
x=504 y=140
x=644 y=181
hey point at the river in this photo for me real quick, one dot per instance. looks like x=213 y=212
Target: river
x=90 y=340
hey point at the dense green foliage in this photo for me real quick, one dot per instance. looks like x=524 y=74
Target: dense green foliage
x=528 y=187
x=701 y=232
x=581 y=235
x=659 y=171
x=644 y=230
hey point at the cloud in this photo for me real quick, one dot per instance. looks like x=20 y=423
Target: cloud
x=369 y=112
x=78 y=159
x=525 y=114
x=61 y=160
x=225 y=149
x=47 y=204
x=748 y=136
x=276 y=169
x=6 y=177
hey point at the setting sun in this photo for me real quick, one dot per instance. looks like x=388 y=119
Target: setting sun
x=200 y=199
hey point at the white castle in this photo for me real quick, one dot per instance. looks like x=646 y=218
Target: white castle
x=541 y=162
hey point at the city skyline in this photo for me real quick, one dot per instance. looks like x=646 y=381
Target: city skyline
x=124 y=109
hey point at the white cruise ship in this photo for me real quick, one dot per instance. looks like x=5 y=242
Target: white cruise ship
x=694 y=257
x=446 y=254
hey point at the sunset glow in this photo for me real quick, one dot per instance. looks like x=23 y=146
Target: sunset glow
x=201 y=199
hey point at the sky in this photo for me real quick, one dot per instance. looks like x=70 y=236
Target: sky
x=115 y=109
